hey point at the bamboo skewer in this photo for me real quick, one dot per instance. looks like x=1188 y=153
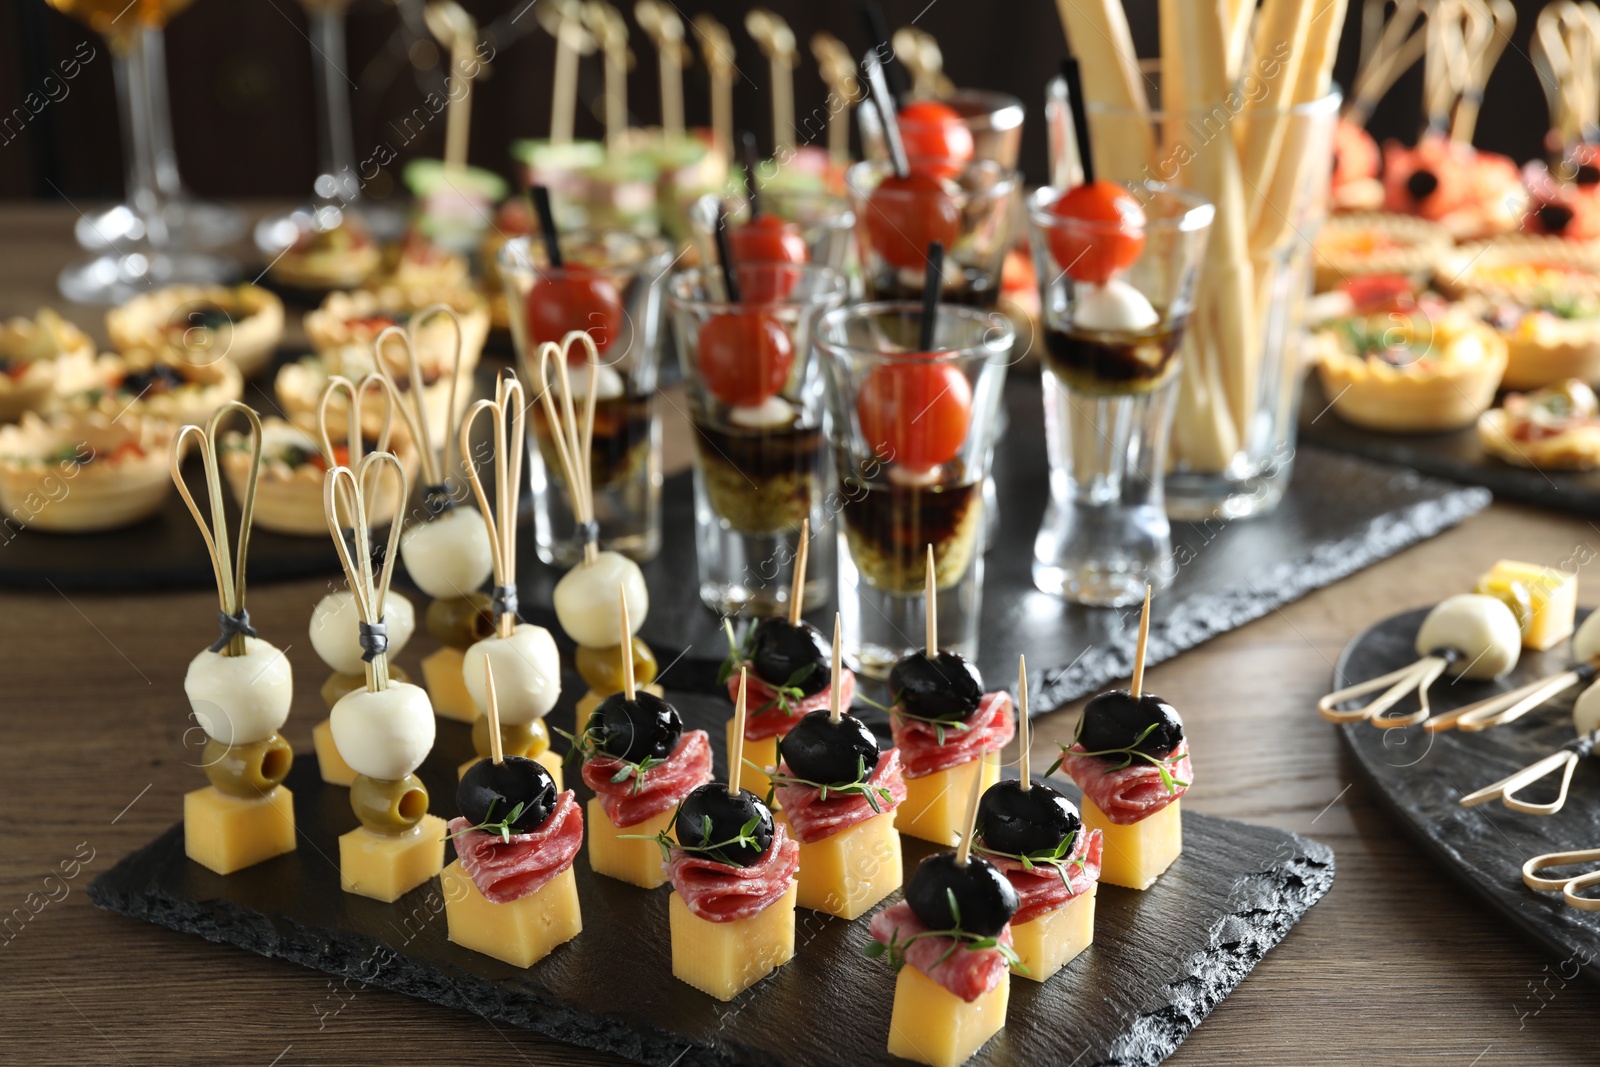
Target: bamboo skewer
x=930 y=620
x=458 y=32
x=970 y=826
x=563 y=20
x=835 y=701
x=797 y=587
x=838 y=71
x=662 y=25
x=629 y=685
x=611 y=35
x=736 y=750
x=1136 y=687
x=778 y=45
x=491 y=704
x=716 y=49
x=1024 y=731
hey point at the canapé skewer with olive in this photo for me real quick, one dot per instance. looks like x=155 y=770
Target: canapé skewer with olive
x=239 y=688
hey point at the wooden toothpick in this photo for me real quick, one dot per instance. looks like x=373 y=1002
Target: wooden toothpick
x=971 y=822
x=932 y=609
x=835 y=708
x=797 y=590
x=627 y=645
x=736 y=750
x=492 y=710
x=1138 y=652
x=1024 y=732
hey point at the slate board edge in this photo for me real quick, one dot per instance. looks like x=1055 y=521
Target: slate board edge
x=1206 y=978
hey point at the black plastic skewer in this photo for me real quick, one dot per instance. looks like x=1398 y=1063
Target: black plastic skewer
x=1080 y=116
x=725 y=256
x=879 y=41
x=884 y=102
x=751 y=159
x=932 y=289
x=547 y=225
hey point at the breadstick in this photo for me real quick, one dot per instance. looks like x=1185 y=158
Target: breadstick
x=1279 y=33
x=1097 y=31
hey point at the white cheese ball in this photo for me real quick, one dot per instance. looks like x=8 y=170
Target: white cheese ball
x=239 y=700
x=336 y=629
x=449 y=556
x=774 y=411
x=1586 y=710
x=1480 y=628
x=608 y=383
x=384 y=735
x=586 y=600
x=527 y=673
x=1115 y=306
x=1586 y=642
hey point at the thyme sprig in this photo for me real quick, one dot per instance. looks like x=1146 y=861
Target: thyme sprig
x=490 y=825
x=895 y=949
x=1058 y=857
x=785 y=697
x=874 y=794
x=746 y=838
x=1128 y=754
x=586 y=746
x=939 y=725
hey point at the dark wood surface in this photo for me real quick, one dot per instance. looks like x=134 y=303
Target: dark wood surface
x=1397 y=965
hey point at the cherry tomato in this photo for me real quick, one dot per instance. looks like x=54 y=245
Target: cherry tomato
x=579 y=298
x=936 y=139
x=127 y=450
x=745 y=357
x=1110 y=245
x=906 y=215
x=1380 y=292
x=766 y=239
x=916 y=414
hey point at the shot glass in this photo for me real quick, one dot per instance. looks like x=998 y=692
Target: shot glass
x=913 y=432
x=993 y=119
x=755 y=399
x=1115 y=300
x=821 y=220
x=610 y=284
x=970 y=214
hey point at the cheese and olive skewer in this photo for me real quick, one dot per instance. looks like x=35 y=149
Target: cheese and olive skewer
x=1501 y=708
x=239 y=689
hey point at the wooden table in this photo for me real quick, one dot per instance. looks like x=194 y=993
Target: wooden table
x=1395 y=966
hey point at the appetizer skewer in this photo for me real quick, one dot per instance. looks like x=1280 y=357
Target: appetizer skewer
x=239 y=689
x=1570 y=888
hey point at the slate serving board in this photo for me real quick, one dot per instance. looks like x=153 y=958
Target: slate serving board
x=1160 y=962
x=1421 y=777
x=1457 y=456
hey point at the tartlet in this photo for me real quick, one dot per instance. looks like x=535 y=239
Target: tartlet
x=1360 y=244
x=353 y=320
x=1518 y=267
x=338 y=257
x=414 y=262
x=243 y=323
x=300 y=385
x=40 y=358
x=157 y=384
x=1553 y=429
x=81 y=473
x=1472 y=194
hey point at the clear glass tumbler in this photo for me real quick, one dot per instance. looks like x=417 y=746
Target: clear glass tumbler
x=913 y=431
x=821 y=220
x=609 y=284
x=994 y=120
x=1111 y=369
x=755 y=399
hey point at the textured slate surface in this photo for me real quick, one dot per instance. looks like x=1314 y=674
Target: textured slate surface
x=1160 y=962
x=1422 y=776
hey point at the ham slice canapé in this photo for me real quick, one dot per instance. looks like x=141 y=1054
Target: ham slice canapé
x=814 y=819
x=722 y=893
x=987 y=730
x=505 y=870
x=635 y=799
x=1128 y=794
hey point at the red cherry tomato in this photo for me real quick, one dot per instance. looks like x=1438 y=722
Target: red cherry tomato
x=1110 y=245
x=936 y=139
x=766 y=239
x=1380 y=292
x=916 y=414
x=745 y=357
x=906 y=215
x=579 y=298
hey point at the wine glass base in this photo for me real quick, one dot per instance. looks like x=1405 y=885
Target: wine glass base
x=275 y=233
x=190 y=224
x=115 y=279
x=1099 y=586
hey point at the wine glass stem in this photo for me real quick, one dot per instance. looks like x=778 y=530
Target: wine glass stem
x=336 y=152
x=167 y=179
x=132 y=71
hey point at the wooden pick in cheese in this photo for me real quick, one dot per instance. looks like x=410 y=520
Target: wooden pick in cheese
x=797 y=590
x=626 y=646
x=716 y=49
x=931 y=608
x=969 y=825
x=1024 y=731
x=835 y=705
x=492 y=710
x=736 y=752
x=1138 y=653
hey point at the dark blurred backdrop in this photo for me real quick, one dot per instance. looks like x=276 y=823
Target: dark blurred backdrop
x=243 y=110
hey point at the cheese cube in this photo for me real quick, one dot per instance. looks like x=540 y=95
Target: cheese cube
x=521 y=932
x=335 y=771
x=225 y=833
x=725 y=959
x=932 y=1025
x=1136 y=854
x=447 y=686
x=935 y=807
x=1049 y=942
x=628 y=859
x=763 y=753
x=388 y=866
x=1544 y=599
x=548 y=757
x=848 y=873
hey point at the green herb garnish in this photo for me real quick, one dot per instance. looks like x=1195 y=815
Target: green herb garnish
x=1057 y=857
x=585 y=746
x=1128 y=755
x=785 y=697
x=875 y=794
x=491 y=825
x=746 y=838
x=939 y=725
x=895 y=950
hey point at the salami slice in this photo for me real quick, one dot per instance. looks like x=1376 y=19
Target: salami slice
x=1041 y=889
x=968 y=973
x=814 y=819
x=987 y=730
x=635 y=799
x=505 y=870
x=722 y=893
x=763 y=722
x=1128 y=794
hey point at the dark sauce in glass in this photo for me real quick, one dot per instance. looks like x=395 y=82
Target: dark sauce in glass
x=1111 y=361
x=621 y=437
x=974 y=288
x=761 y=480
x=890 y=525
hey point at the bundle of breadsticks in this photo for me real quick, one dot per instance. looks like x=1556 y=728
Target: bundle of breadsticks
x=1228 y=72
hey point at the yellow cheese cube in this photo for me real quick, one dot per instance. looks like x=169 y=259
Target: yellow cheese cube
x=1137 y=853
x=521 y=932
x=550 y=759
x=628 y=859
x=388 y=866
x=447 y=686
x=935 y=808
x=932 y=1025
x=1048 y=943
x=848 y=873
x=335 y=771
x=725 y=959
x=227 y=834
x=1544 y=599
x=763 y=753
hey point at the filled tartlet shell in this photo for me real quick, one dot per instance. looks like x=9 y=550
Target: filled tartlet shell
x=216 y=383
x=1423 y=245
x=338 y=325
x=59 y=358
x=83 y=495
x=1549 y=350
x=299 y=387
x=1576 y=449
x=1470 y=269
x=1444 y=395
x=248 y=341
x=342 y=269
x=446 y=270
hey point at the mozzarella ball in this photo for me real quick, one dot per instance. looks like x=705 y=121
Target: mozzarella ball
x=1115 y=306
x=527 y=673
x=1480 y=628
x=772 y=412
x=449 y=556
x=336 y=629
x=608 y=383
x=1586 y=642
x=239 y=700
x=384 y=735
x=586 y=600
x=1586 y=710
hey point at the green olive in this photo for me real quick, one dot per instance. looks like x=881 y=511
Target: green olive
x=602 y=667
x=530 y=739
x=460 y=621
x=389 y=807
x=248 y=770
x=338 y=684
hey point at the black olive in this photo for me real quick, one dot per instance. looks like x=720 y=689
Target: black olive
x=985 y=897
x=709 y=821
x=1422 y=184
x=1115 y=720
x=780 y=652
x=635 y=730
x=158 y=378
x=1587 y=174
x=1021 y=822
x=821 y=750
x=490 y=791
x=1554 y=218
x=944 y=688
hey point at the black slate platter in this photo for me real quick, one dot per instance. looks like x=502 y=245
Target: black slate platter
x=1160 y=962
x=1457 y=456
x=1422 y=776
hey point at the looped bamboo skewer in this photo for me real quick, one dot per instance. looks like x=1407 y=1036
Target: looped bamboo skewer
x=1495 y=20
x=369 y=590
x=1563 y=761
x=1398 y=47
x=1569 y=888
x=1511 y=705
x=777 y=43
x=458 y=32
x=355 y=423
x=610 y=32
x=563 y=20
x=838 y=71
x=227 y=565
x=662 y=25
x=508 y=414
x=1395 y=685
x=435 y=461
x=716 y=50
x=574 y=440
